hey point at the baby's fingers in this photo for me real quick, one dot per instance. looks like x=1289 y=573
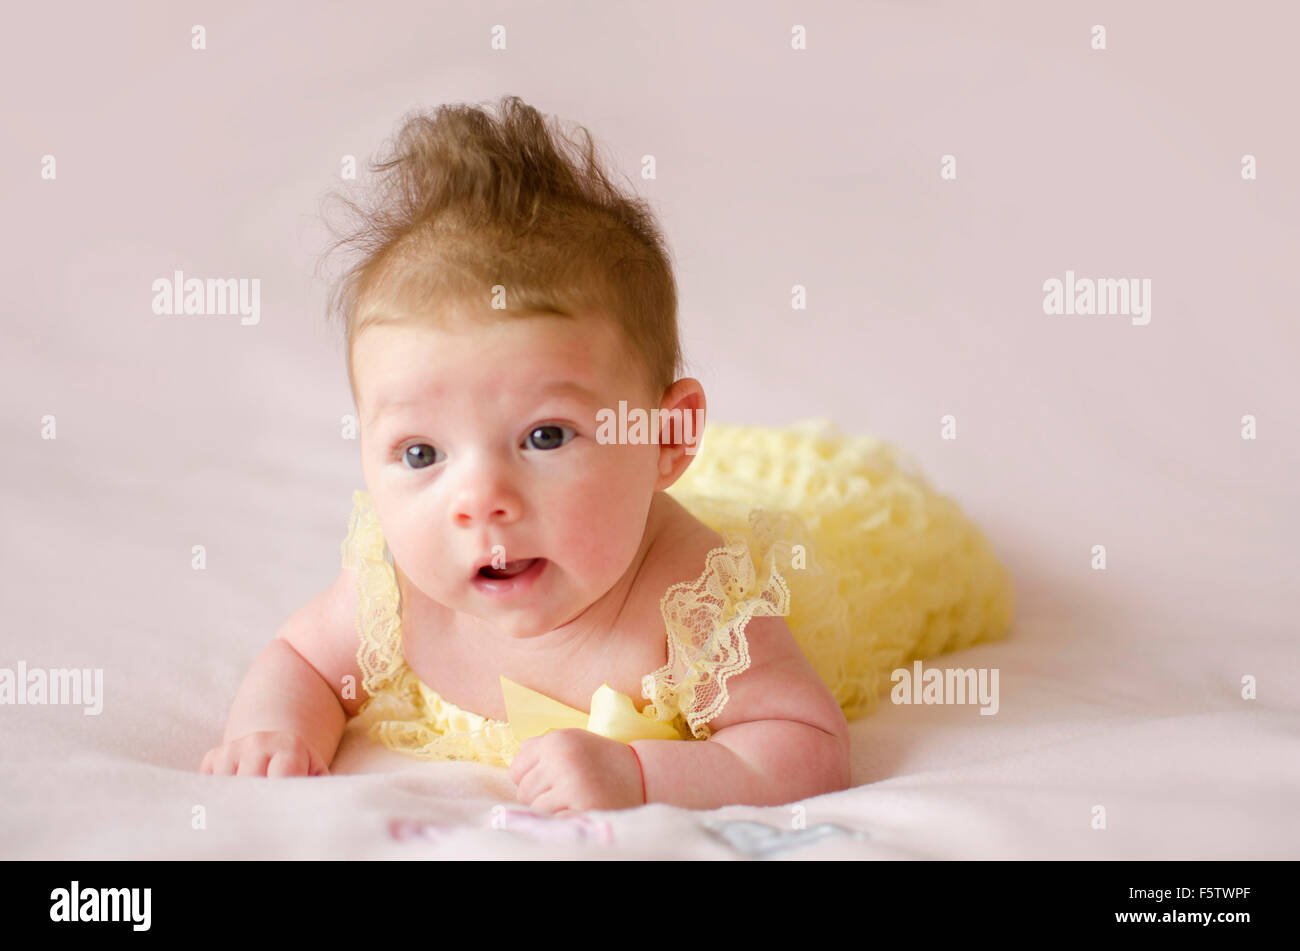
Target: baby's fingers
x=552 y=802
x=220 y=762
x=289 y=763
x=316 y=765
x=532 y=786
x=253 y=764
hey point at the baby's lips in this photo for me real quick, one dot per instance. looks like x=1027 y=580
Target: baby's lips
x=492 y=563
x=481 y=564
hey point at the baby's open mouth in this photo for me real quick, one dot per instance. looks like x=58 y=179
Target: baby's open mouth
x=511 y=569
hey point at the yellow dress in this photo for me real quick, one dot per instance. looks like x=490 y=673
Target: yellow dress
x=870 y=566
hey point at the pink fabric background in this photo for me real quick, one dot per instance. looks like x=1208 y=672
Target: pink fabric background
x=775 y=167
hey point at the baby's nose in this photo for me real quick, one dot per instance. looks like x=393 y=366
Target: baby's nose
x=486 y=502
x=471 y=514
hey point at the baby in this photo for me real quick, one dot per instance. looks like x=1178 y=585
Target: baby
x=509 y=298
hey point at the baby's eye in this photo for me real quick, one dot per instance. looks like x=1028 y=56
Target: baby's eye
x=420 y=456
x=549 y=437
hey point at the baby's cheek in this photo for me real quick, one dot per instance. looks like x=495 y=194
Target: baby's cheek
x=601 y=538
x=419 y=561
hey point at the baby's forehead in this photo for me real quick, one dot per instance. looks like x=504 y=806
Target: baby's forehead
x=386 y=396
x=524 y=355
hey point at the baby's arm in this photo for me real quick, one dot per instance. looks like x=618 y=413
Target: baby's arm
x=289 y=714
x=780 y=738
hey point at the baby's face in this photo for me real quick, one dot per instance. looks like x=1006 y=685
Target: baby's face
x=476 y=436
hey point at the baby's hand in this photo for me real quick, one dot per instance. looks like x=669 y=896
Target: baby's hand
x=572 y=770
x=268 y=753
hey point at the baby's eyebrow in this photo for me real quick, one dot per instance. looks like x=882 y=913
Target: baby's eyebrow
x=570 y=388
x=557 y=388
x=386 y=405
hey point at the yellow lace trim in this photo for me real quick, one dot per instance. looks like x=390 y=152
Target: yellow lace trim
x=379 y=624
x=706 y=619
x=409 y=717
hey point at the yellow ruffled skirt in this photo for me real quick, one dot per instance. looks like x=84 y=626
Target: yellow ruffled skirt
x=886 y=569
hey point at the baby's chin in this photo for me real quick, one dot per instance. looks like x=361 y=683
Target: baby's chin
x=532 y=617
x=523 y=624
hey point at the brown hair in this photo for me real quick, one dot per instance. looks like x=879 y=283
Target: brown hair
x=465 y=202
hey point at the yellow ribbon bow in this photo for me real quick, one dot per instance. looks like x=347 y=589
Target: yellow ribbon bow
x=613 y=715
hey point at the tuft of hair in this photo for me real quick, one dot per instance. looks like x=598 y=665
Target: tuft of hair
x=471 y=210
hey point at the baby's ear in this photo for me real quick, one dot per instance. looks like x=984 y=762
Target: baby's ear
x=681 y=426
